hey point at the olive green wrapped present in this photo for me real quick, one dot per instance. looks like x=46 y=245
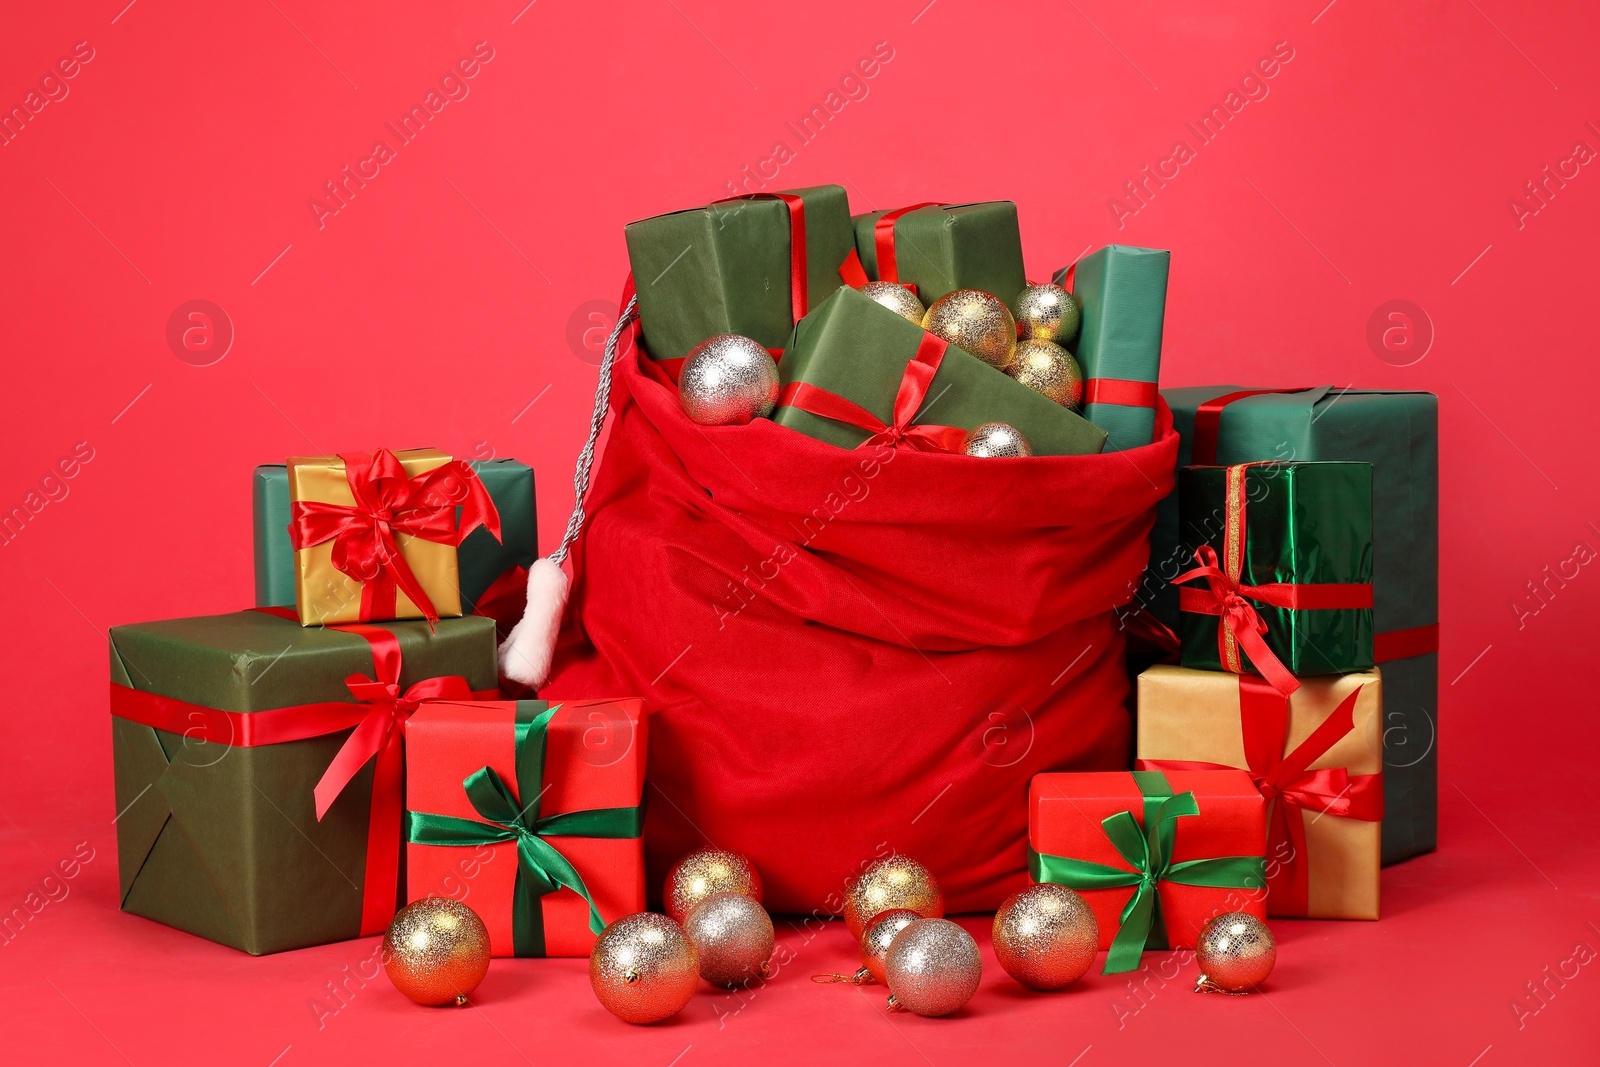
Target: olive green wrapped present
x=842 y=375
x=734 y=267
x=939 y=248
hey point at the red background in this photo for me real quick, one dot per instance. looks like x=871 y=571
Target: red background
x=447 y=302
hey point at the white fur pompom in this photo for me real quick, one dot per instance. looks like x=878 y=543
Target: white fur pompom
x=526 y=654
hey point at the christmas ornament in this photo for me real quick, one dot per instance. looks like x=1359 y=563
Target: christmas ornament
x=1045 y=936
x=879 y=935
x=1048 y=313
x=897 y=298
x=1236 y=952
x=436 y=951
x=997 y=440
x=932 y=967
x=976 y=321
x=727 y=381
x=1046 y=367
x=732 y=935
x=704 y=872
x=891 y=882
x=643 y=968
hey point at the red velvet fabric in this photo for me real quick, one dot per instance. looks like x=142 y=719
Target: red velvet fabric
x=848 y=652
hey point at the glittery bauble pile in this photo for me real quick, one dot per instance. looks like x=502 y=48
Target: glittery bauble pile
x=974 y=320
x=897 y=298
x=1045 y=936
x=932 y=968
x=704 y=872
x=732 y=935
x=643 y=968
x=436 y=951
x=892 y=882
x=727 y=381
x=997 y=440
x=879 y=935
x=1236 y=952
x=1046 y=367
x=1048 y=313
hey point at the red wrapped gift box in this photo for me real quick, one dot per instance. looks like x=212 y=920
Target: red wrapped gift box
x=529 y=812
x=1155 y=855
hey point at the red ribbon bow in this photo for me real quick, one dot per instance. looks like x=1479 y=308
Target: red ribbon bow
x=1228 y=598
x=388 y=502
x=913 y=390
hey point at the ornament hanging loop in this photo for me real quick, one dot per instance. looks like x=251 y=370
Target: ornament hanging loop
x=861 y=977
x=1203 y=984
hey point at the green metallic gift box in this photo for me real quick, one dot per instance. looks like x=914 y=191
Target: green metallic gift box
x=940 y=248
x=857 y=349
x=726 y=268
x=1398 y=433
x=1294 y=541
x=217 y=833
x=481 y=559
x=1123 y=291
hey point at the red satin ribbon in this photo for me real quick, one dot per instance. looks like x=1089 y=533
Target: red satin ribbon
x=851 y=272
x=883 y=240
x=1403 y=644
x=389 y=503
x=380 y=710
x=913 y=390
x=1288 y=779
x=1120 y=391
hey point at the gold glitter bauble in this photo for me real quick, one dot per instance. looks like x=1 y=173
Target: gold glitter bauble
x=704 y=872
x=727 y=380
x=1236 y=952
x=879 y=935
x=732 y=935
x=1048 y=313
x=892 y=882
x=1046 y=367
x=1045 y=936
x=997 y=440
x=436 y=951
x=974 y=320
x=643 y=968
x=932 y=968
x=897 y=298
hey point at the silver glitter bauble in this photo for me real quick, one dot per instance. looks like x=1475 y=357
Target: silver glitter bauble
x=932 y=967
x=643 y=968
x=997 y=440
x=727 y=381
x=1046 y=936
x=1236 y=952
x=897 y=298
x=733 y=936
x=1048 y=313
x=1048 y=369
x=976 y=321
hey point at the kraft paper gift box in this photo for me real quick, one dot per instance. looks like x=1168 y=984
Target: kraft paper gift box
x=547 y=799
x=734 y=266
x=1398 y=433
x=855 y=349
x=939 y=248
x=492 y=572
x=1317 y=756
x=1154 y=854
x=375 y=534
x=225 y=734
x=1123 y=291
x=1287 y=553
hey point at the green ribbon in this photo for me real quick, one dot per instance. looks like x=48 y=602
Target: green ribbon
x=1149 y=852
x=540 y=868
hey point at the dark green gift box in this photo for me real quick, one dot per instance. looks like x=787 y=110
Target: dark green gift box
x=1123 y=291
x=946 y=247
x=222 y=840
x=725 y=268
x=481 y=559
x=1398 y=433
x=857 y=349
x=1304 y=525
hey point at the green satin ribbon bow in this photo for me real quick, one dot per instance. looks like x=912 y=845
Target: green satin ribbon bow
x=1149 y=852
x=540 y=868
